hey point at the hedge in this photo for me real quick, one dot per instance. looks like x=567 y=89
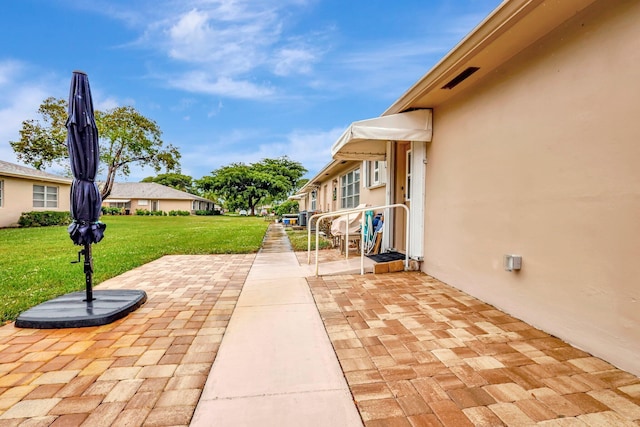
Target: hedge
x=44 y=218
x=145 y=212
x=208 y=213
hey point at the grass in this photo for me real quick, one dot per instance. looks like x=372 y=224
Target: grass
x=35 y=262
x=298 y=240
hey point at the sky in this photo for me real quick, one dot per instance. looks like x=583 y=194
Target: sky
x=227 y=80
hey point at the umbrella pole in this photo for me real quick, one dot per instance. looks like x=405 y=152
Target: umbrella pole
x=88 y=271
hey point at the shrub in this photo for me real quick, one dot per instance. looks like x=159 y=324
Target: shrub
x=44 y=218
x=179 y=213
x=288 y=207
x=208 y=213
x=112 y=211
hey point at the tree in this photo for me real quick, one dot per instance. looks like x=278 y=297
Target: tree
x=126 y=138
x=245 y=186
x=43 y=143
x=173 y=180
x=286 y=168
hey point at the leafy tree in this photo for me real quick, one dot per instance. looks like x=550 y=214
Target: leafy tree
x=43 y=143
x=290 y=171
x=245 y=186
x=301 y=183
x=126 y=138
x=286 y=207
x=174 y=180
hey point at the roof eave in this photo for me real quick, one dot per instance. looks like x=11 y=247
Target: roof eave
x=60 y=180
x=521 y=21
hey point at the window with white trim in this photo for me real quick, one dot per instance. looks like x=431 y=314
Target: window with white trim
x=314 y=198
x=408 y=182
x=376 y=173
x=350 y=189
x=1 y=193
x=143 y=202
x=45 y=196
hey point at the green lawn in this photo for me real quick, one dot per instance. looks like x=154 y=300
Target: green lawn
x=35 y=262
x=299 y=238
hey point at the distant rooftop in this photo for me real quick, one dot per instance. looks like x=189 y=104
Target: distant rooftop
x=11 y=169
x=149 y=190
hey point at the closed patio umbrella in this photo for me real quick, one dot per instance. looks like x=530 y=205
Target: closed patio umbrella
x=89 y=308
x=82 y=141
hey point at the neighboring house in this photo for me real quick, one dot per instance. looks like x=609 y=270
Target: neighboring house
x=23 y=189
x=525 y=139
x=344 y=184
x=151 y=196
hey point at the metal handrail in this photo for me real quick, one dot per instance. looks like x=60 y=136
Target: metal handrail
x=347 y=212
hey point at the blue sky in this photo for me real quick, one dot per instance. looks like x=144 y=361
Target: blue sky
x=228 y=80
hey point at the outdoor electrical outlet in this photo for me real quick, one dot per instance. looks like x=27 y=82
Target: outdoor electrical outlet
x=512 y=262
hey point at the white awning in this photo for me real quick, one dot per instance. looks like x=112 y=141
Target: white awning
x=366 y=139
x=117 y=200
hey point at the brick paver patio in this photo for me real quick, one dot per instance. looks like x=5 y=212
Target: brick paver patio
x=417 y=352
x=149 y=367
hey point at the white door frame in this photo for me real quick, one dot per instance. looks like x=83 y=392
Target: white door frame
x=417 y=197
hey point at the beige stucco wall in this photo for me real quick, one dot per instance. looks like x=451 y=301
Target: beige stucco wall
x=542 y=161
x=373 y=196
x=18 y=198
x=175 y=205
x=302 y=204
x=163 y=205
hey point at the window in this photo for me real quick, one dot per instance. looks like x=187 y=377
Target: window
x=408 y=186
x=314 y=197
x=1 y=192
x=350 y=189
x=376 y=172
x=143 y=202
x=45 y=196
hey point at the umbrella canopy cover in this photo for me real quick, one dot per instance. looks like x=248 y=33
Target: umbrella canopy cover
x=82 y=142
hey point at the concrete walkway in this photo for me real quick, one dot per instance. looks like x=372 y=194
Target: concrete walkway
x=276 y=365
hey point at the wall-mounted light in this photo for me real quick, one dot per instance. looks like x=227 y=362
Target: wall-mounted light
x=512 y=262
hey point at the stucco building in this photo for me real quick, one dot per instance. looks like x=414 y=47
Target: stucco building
x=151 y=196
x=23 y=189
x=526 y=144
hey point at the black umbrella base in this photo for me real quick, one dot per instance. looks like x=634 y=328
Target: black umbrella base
x=73 y=311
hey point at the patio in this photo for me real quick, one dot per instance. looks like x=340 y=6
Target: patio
x=413 y=352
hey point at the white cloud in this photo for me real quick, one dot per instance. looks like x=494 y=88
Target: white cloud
x=20 y=98
x=201 y=82
x=214 y=112
x=229 y=44
x=229 y=41
x=8 y=70
x=293 y=61
x=108 y=103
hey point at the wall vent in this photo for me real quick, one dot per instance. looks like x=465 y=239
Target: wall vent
x=460 y=77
